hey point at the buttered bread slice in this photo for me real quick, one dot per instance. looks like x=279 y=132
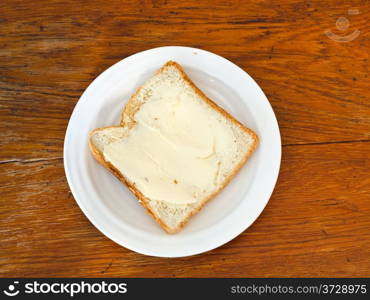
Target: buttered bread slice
x=175 y=148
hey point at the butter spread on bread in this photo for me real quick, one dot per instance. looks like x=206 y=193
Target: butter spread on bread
x=175 y=148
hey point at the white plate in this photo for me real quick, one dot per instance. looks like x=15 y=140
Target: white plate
x=111 y=207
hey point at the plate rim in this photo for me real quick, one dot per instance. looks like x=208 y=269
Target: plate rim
x=109 y=234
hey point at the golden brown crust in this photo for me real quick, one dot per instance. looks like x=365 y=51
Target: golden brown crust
x=129 y=111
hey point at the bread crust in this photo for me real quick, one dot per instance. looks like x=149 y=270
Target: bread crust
x=130 y=109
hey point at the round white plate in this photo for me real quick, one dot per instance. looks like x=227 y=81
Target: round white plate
x=113 y=209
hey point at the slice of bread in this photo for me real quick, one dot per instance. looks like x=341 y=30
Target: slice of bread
x=175 y=149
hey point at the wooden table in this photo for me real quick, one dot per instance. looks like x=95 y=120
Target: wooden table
x=317 y=222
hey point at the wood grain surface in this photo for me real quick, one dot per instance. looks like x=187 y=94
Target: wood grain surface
x=317 y=222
